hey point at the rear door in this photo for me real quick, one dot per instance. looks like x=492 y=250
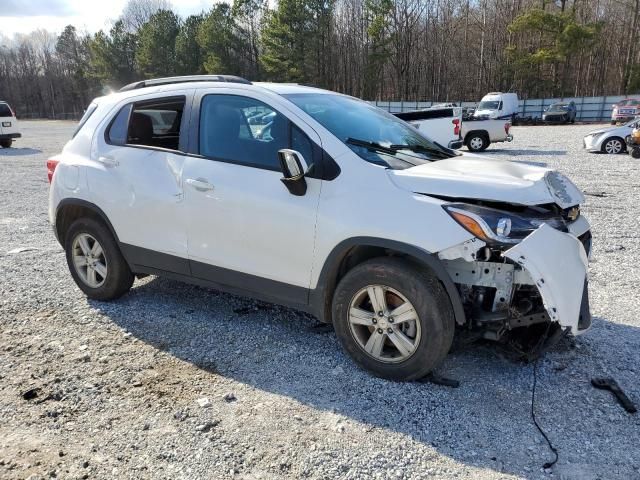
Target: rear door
x=136 y=178
x=245 y=229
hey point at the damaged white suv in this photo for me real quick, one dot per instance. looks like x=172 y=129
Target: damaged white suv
x=322 y=202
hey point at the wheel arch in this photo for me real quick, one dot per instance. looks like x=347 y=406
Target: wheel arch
x=613 y=137
x=353 y=251
x=70 y=209
x=483 y=133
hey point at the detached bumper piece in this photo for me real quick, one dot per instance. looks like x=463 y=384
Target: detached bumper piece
x=557 y=264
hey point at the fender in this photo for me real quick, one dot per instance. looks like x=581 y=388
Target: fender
x=77 y=202
x=320 y=298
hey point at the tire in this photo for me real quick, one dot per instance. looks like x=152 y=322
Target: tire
x=477 y=142
x=111 y=276
x=613 y=145
x=635 y=152
x=6 y=143
x=613 y=122
x=400 y=282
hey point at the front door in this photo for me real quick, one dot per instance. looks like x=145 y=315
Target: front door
x=245 y=230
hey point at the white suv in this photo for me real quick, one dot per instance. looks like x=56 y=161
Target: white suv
x=8 y=125
x=322 y=202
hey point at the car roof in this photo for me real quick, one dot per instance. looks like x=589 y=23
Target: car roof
x=278 y=88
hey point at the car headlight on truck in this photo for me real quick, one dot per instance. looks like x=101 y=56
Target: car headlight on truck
x=498 y=226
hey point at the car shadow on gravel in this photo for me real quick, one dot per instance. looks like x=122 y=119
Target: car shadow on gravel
x=18 y=152
x=484 y=423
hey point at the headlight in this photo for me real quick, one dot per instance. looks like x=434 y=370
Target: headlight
x=595 y=136
x=497 y=226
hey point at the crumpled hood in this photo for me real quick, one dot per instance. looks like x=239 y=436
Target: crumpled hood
x=489 y=179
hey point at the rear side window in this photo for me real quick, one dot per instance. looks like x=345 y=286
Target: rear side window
x=153 y=123
x=5 y=110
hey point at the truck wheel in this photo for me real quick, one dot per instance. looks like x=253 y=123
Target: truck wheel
x=477 y=142
x=393 y=318
x=95 y=261
x=6 y=143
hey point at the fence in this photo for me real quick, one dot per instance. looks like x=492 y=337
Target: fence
x=589 y=109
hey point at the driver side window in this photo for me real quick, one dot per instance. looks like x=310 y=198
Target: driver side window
x=242 y=130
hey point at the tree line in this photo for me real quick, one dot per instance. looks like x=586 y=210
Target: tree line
x=439 y=50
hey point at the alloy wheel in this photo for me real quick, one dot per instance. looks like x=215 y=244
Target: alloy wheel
x=613 y=146
x=89 y=260
x=384 y=323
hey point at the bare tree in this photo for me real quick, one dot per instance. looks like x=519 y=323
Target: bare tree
x=137 y=12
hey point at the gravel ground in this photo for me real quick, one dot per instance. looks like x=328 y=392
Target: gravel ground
x=175 y=381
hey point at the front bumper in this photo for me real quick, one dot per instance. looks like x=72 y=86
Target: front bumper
x=557 y=264
x=592 y=144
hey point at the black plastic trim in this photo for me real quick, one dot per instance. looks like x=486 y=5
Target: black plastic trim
x=320 y=297
x=147 y=261
x=7 y=136
x=77 y=202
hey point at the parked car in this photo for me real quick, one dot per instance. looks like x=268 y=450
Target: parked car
x=442 y=125
x=8 y=125
x=609 y=140
x=633 y=142
x=625 y=110
x=560 y=112
x=498 y=105
x=478 y=134
x=346 y=212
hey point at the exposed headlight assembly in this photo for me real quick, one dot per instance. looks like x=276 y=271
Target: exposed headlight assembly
x=497 y=226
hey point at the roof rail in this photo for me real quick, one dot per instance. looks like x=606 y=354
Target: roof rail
x=154 y=82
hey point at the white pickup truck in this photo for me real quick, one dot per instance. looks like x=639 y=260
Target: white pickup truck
x=442 y=125
x=477 y=135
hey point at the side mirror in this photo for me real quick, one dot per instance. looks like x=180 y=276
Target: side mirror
x=293 y=169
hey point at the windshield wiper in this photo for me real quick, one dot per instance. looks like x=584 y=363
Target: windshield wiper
x=371 y=145
x=421 y=149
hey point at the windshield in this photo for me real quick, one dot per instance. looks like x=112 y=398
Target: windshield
x=559 y=107
x=373 y=134
x=489 y=105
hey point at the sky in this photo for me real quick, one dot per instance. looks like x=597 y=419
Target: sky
x=25 y=16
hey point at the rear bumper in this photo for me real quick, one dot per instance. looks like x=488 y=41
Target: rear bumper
x=455 y=144
x=7 y=136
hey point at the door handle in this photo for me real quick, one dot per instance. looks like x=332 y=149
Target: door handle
x=109 y=161
x=199 y=184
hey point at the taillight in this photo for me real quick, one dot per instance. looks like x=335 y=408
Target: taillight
x=456 y=126
x=507 y=126
x=51 y=167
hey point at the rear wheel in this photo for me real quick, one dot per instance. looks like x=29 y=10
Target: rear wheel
x=95 y=261
x=477 y=142
x=6 y=143
x=613 y=145
x=393 y=318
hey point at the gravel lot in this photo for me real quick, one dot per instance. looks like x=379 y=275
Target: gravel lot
x=120 y=385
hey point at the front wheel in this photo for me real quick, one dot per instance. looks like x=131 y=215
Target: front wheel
x=613 y=145
x=393 y=318
x=6 y=143
x=477 y=142
x=95 y=261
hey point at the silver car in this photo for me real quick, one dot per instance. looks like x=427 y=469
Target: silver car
x=610 y=140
